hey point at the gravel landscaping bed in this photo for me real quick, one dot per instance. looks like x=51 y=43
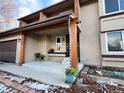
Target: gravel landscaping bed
x=84 y=83
x=5 y=89
x=88 y=82
x=33 y=84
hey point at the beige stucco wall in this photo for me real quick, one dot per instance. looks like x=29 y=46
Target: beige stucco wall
x=57 y=57
x=31 y=48
x=90 y=49
x=14 y=37
x=110 y=23
x=53 y=43
x=113 y=64
x=11 y=37
x=41 y=44
x=101 y=7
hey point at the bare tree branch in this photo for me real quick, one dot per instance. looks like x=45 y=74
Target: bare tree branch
x=8 y=11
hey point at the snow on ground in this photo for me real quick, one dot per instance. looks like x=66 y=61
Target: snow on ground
x=37 y=85
x=2 y=88
x=5 y=89
x=14 y=78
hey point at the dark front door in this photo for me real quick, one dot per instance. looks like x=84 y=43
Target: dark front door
x=78 y=46
x=8 y=51
x=67 y=46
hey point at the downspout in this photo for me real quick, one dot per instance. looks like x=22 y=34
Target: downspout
x=70 y=17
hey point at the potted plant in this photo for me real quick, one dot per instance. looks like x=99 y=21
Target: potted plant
x=71 y=73
x=42 y=57
x=37 y=56
x=51 y=51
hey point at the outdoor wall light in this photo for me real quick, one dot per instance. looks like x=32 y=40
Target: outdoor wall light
x=19 y=39
x=72 y=16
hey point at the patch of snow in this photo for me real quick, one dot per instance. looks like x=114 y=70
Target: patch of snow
x=66 y=61
x=99 y=72
x=106 y=81
x=80 y=66
x=2 y=88
x=37 y=85
x=14 y=78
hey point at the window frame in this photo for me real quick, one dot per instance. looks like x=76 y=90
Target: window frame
x=58 y=43
x=104 y=7
x=122 y=34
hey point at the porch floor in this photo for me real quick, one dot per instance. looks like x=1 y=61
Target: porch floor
x=46 y=72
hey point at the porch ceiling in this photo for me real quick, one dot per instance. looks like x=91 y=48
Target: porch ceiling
x=56 y=31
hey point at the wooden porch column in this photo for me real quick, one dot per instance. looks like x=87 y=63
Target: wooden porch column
x=76 y=8
x=73 y=43
x=22 y=50
x=73 y=35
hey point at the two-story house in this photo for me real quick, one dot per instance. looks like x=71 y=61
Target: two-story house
x=86 y=31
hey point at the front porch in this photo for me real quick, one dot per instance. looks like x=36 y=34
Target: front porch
x=52 y=43
x=59 y=34
x=48 y=72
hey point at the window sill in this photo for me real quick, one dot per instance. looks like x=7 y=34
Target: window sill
x=112 y=14
x=113 y=56
x=56 y=54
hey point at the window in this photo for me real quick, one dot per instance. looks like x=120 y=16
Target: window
x=111 y=6
x=115 y=41
x=122 y=4
x=114 y=6
x=58 y=43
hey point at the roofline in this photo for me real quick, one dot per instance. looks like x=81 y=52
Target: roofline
x=43 y=9
x=20 y=29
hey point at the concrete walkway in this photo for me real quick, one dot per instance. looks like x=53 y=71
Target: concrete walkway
x=46 y=72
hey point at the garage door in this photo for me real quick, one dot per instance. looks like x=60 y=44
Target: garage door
x=8 y=51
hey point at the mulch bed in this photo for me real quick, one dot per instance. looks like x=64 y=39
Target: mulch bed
x=85 y=84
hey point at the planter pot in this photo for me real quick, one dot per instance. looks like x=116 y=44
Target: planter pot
x=69 y=79
x=38 y=59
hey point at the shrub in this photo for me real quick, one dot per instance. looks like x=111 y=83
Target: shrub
x=71 y=71
x=42 y=57
x=51 y=51
x=37 y=55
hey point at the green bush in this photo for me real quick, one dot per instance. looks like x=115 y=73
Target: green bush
x=37 y=55
x=42 y=57
x=71 y=71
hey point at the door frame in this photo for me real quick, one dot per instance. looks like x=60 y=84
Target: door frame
x=68 y=46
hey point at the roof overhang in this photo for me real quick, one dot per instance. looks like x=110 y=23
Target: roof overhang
x=64 y=4
x=49 y=21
